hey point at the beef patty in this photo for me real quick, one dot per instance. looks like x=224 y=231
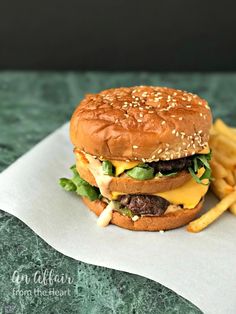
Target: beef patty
x=167 y=166
x=144 y=204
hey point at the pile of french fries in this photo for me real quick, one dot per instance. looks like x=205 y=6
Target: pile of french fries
x=223 y=164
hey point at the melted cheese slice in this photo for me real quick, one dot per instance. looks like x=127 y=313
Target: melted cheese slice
x=121 y=166
x=188 y=194
x=206 y=150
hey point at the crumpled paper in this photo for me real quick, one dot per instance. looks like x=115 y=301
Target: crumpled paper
x=199 y=267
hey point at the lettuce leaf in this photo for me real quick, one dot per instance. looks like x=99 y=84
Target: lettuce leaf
x=141 y=172
x=107 y=168
x=80 y=186
x=201 y=161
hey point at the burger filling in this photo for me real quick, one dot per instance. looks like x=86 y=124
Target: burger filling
x=132 y=205
x=161 y=168
x=137 y=205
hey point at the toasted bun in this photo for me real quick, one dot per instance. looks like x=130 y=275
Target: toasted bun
x=141 y=123
x=148 y=223
x=128 y=185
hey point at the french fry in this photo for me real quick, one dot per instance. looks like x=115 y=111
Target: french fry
x=223 y=144
x=222 y=128
x=233 y=130
x=226 y=161
x=221 y=188
x=213 y=132
x=218 y=171
x=230 y=178
x=210 y=216
x=234 y=174
x=233 y=208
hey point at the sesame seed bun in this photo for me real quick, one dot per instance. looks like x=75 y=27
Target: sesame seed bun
x=147 y=223
x=129 y=185
x=141 y=123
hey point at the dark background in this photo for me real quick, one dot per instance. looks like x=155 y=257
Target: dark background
x=162 y=35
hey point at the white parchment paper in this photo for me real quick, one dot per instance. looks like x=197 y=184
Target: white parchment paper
x=200 y=267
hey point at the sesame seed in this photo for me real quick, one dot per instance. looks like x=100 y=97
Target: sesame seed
x=173 y=116
x=173 y=132
x=188 y=106
x=150 y=111
x=180 y=118
x=163 y=122
x=153 y=157
x=199 y=102
x=139 y=120
x=143 y=160
x=159 y=151
x=201 y=114
x=135 y=146
x=161 y=231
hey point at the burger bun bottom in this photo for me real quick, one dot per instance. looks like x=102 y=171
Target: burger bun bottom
x=167 y=221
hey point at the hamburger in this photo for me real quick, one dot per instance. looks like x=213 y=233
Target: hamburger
x=142 y=156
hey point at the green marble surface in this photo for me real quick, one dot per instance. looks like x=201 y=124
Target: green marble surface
x=33 y=104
